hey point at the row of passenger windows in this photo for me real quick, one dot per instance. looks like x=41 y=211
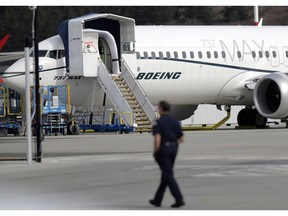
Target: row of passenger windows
x=208 y=54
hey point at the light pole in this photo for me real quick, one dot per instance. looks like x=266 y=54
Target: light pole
x=37 y=89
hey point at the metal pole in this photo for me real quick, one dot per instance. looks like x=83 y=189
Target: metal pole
x=27 y=99
x=37 y=89
x=256 y=15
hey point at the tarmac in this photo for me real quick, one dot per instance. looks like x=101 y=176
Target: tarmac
x=225 y=169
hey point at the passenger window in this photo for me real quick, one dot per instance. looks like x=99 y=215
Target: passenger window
x=145 y=55
x=223 y=54
x=239 y=54
x=215 y=54
x=208 y=54
x=168 y=55
x=192 y=55
x=260 y=54
x=184 y=55
x=286 y=52
x=138 y=55
x=175 y=54
x=267 y=54
x=274 y=54
x=253 y=54
x=161 y=55
x=153 y=55
x=200 y=54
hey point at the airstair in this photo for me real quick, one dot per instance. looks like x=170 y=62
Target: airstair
x=127 y=97
x=96 y=43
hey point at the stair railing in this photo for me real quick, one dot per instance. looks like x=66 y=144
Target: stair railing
x=138 y=91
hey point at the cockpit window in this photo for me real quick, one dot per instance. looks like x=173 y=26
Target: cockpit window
x=53 y=54
x=41 y=53
x=56 y=54
x=61 y=54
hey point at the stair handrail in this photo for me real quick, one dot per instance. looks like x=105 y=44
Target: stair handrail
x=113 y=92
x=138 y=91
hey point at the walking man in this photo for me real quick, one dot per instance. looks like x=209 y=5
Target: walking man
x=167 y=135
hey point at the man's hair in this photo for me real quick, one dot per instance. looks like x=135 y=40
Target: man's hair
x=164 y=105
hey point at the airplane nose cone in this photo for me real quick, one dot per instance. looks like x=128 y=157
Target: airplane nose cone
x=17 y=67
x=14 y=76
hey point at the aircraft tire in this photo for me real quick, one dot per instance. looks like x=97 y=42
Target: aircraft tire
x=258 y=120
x=243 y=117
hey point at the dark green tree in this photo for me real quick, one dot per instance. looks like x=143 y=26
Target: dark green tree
x=16 y=21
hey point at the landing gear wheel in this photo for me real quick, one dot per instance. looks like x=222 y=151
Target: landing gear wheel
x=251 y=117
x=243 y=117
x=258 y=120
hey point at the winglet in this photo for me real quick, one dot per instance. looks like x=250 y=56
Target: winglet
x=4 y=40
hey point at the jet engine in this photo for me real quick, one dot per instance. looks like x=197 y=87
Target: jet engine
x=181 y=112
x=271 y=96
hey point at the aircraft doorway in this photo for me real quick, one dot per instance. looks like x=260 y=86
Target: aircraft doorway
x=105 y=53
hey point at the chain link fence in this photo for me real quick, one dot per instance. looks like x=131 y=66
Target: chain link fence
x=14 y=149
x=13 y=136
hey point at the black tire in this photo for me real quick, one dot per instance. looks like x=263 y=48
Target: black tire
x=3 y=132
x=258 y=120
x=74 y=129
x=243 y=117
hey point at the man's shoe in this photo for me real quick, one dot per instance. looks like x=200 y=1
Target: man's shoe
x=152 y=202
x=178 y=204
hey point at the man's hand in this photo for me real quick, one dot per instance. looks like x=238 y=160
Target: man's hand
x=157 y=142
x=181 y=139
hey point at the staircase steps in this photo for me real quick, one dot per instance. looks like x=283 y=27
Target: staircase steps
x=141 y=119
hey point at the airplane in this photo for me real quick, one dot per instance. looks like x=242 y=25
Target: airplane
x=185 y=65
x=4 y=40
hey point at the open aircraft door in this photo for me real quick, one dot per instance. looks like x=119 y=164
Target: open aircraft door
x=74 y=35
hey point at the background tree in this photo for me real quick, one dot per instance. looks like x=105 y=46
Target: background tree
x=17 y=21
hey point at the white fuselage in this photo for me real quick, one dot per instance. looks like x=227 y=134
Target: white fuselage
x=186 y=65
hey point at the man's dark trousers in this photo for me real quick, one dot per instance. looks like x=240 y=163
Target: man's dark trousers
x=165 y=159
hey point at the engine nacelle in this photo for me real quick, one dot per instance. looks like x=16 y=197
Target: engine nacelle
x=271 y=96
x=181 y=112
